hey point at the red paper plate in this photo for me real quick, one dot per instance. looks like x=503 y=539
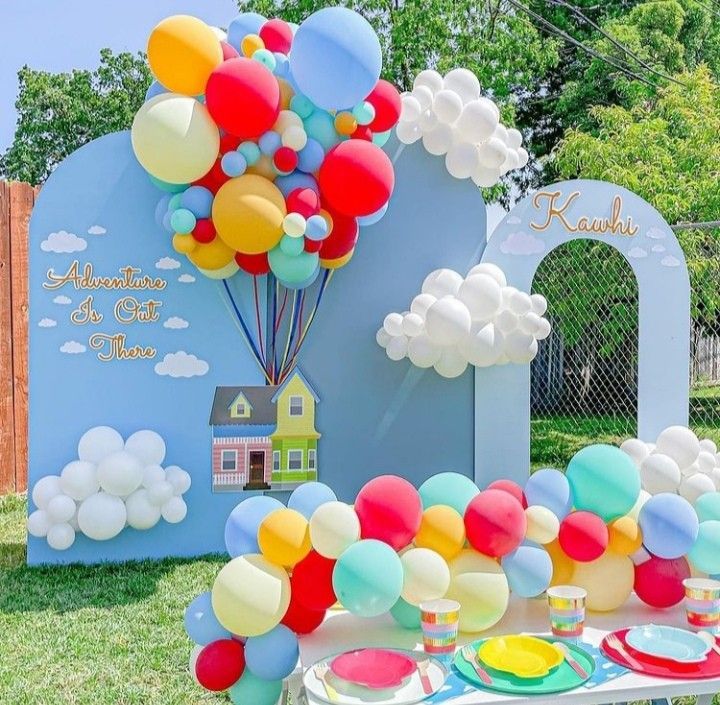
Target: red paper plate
x=373 y=668
x=663 y=668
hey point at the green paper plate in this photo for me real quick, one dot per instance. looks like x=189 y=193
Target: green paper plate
x=562 y=678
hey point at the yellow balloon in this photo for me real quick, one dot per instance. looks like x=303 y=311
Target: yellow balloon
x=625 y=536
x=183 y=243
x=334 y=527
x=542 y=525
x=248 y=213
x=337 y=263
x=442 y=529
x=426 y=576
x=182 y=52
x=174 y=138
x=250 y=44
x=250 y=595
x=562 y=564
x=286 y=94
x=263 y=167
x=211 y=255
x=284 y=537
x=479 y=584
x=345 y=123
x=225 y=272
x=608 y=581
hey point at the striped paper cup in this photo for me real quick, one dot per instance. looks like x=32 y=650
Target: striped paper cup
x=440 y=620
x=702 y=604
x=567 y=610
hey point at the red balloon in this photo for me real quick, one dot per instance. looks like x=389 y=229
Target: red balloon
x=311 y=582
x=300 y=619
x=243 y=97
x=342 y=237
x=511 y=488
x=229 y=143
x=356 y=178
x=214 y=179
x=386 y=101
x=229 y=51
x=312 y=245
x=390 y=510
x=220 y=664
x=285 y=160
x=658 y=581
x=253 y=264
x=495 y=523
x=277 y=35
x=583 y=536
x=304 y=201
x=204 y=230
x=362 y=132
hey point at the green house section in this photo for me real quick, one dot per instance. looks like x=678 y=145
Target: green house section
x=294 y=459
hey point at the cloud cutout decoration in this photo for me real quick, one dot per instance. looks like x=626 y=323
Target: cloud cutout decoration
x=175 y=322
x=113 y=483
x=637 y=253
x=186 y=278
x=658 y=248
x=521 y=243
x=96 y=230
x=513 y=220
x=670 y=261
x=62 y=300
x=63 y=242
x=72 y=347
x=181 y=364
x=47 y=323
x=167 y=263
x=656 y=234
x=476 y=320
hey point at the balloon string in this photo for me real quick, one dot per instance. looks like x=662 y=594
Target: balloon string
x=273 y=285
x=293 y=320
x=257 y=321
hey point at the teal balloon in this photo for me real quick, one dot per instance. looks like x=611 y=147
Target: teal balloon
x=381 y=138
x=368 y=578
x=303 y=284
x=183 y=221
x=705 y=553
x=449 y=488
x=405 y=614
x=707 y=506
x=250 y=151
x=320 y=126
x=293 y=270
x=165 y=186
x=266 y=58
x=292 y=246
x=364 y=113
x=252 y=690
x=302 y=105
x=604 y=480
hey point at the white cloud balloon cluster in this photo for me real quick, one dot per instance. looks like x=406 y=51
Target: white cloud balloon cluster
x=476 y=320
x=453 y=119
x=677 y=462
x=114 y=483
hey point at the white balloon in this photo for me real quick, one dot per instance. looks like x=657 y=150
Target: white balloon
x=519 y=303
x=78 y=479
x=45 y=489
x=393 y=324
x=512 y=161
x=506 y=321
x=447 y=321
x=520 y=347
x=428 y=120
x=38 y=523
x=529 y=323
x=659 y=473
x=501 y=133
x=544 y=329
x=450 y=363
x=421 y=303
x=439 y=283
x=691 y=470
x=180 y=479
x=408 y=132
x=141 y=513
x=294 y=137
x=492 y=153
x=539 y=304
x=643 y=497
x=483 y=347
x=160 y=492
x=503 y=360
x=411 y=109
x=709 y=445
x=679 y=443
x=477 y=122
x=463 y=82
x=523 y=156
x=462 y=160
x=61 y=508
x=146 y=445
x=514 y=138
x=491 y=270
x=98 y=443
x=447 y=105
x=424 y=97
x=422 y=351
x=397 y=348
x=61 y=536
x=482 y=295
x=430 y=78
x=706 y=461
x=426 y=575
x=152 y=474
x=636 y=449
x=696 y=486
x=486 y=178
x=715 y=475
x=120 y=474
x=413 y=324
x=439 y=139
x=102 y=516
x=174 y=510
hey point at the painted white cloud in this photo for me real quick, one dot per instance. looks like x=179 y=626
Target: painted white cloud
x=72 y=347
x=521 y=243
x=96 y=230
x=637 y=253
x=63 y=242
x=62 y=300
x=658 y=248
x=513 y=220
x=175 y=322
x=656 y=234
x=181 y=364
x=47 y=323
x=186 y=278
x=167 y=263
x=670 y=261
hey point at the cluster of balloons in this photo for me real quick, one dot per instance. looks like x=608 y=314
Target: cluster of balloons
x=114 y=483
x=267 y=141
x=476 y=320
x=453 y=119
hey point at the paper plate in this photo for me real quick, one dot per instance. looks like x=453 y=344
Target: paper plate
x=668 y=643
x=523 y=656
x=373 y=668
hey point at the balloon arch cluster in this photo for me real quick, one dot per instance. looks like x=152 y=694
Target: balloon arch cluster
x=591 y=526
x=267 y=143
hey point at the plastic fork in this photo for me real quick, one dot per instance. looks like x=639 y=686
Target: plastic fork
x=321 y=670
x=468 y=653
x=616 y=645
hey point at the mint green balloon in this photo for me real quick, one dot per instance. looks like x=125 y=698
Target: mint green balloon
x=165 y=186
x=707 y=506
x=449 y=488
x=380 y=138
x=251 y=690
x=320 y=126
x=705 y=553
x=292 y=246
x=293 y=269
x=405 y=614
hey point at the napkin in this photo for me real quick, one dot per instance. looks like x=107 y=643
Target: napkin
x=605 y=669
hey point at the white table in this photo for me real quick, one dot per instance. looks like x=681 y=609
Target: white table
x=342 y=631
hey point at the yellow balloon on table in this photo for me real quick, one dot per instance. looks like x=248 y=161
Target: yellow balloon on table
x=542 y=524
x=608 y=581
x=442 y=529
x=248 y=212
x=174 y=138
x=250 y=595
x=284 y=537
x=625 y=536
x=211 y=255
x=563 y=565
x=182 y=52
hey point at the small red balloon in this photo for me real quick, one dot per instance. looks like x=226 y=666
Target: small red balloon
x=342 y=237
x=362 y=132
x=229 y=143
x=253 y=264
x=214 y=179
x=583 y=536
x=204 y=230
x=285 y=159
x=356 y=178
x=386 y=101
x=220 y=664
x=311 y=582
x=495 y=523
x=247 y=83
x=304 y=201
x=277 y=35
x=511 y=488
x=312 y=245
x=229 y=51
x=659 y=581
x=300 y=619
x=390 y=510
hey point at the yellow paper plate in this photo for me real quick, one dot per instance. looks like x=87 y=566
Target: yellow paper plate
x=523 y=656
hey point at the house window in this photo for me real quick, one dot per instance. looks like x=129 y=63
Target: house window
x=312 y=459
x=296 y=406
x=228 y=460
x=295 y=459
x=276 y=461
x=240 y=409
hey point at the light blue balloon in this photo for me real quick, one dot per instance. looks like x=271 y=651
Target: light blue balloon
x=166 y=222
x=705 y=554
x=289 y=182
x=156 y=88
x=302 y=105
x=251 y=690
x=320 y=126
x=381 y=138
x=269 y=143
x=272 y=656
x=669 y=525
x=373 y=218
x=161 y=209
x=550 y=488
x=406 y=615
x=244 y=24
x=183 y=221
x=291 y=246
x=198 y=199
x=450 y=488
x=293 y=270
x=242 y=524
x=529 y=570
x=233 y=164
x=303 y=284
x=282 y=65
x=201 y=624
x=368 y=578
x=707 y=506
x=336 y=58
x=316 y=228
x=265 y=57
x=165 y=186
x=364 y=113
x=250 y=151
x=310 y=495
x=311 y=156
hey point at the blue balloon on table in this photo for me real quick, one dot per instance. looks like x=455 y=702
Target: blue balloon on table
x=529 y=570
x=201 y=624
x=549 y=488
x=241 y=527
x=245 y=23
x=309 y=496
x=253 y=690
x=669 y=525
x=199 y=200
x=272 y=656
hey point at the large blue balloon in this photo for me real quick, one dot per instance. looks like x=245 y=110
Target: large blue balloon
x=241 y=527
x=198 y=199
x=529 y=570
x=201 y=624
x=272 y=656
x=310 y=157
x=669 y=525
x=309 y=496
x=550 y=488
x=336 y=58
x=245 y=23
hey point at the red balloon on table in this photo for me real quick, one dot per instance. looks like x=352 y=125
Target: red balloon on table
x=583 y=536
x=304 y=201
x=387 y=103
x=204 y=230
x=276 y=35
x=659 y=581
x=243 y=97
x=311 y=582
x=220 y=664
x=342 y=238
x=495 y=523
x=300 y=619
x=511 y=488
x=253 y=264
x=389 y=509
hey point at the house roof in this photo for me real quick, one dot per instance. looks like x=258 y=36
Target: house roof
x=296 y=373
x=259 y=398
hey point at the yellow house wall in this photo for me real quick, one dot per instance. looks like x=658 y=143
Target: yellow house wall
x=296 y=425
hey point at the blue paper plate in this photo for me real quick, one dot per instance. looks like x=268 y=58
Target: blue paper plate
x=668 y=643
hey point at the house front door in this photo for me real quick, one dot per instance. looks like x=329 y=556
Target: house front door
x=257 y=469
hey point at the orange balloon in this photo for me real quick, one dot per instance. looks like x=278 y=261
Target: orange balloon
x=183 y=243
x=211 y=255
x=345 y=123
x=625 y=536
x=337 y=263
x=442 y=529
x=284 y=537
x=286 y=94
x=563 y=565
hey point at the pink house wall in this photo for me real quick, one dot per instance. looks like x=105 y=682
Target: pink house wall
x=243 y=446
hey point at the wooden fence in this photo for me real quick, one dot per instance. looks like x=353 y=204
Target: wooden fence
x=16 y=203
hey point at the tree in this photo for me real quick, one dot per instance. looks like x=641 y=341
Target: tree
x=59 y=112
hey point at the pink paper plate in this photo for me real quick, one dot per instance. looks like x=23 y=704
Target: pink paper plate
x=373 y=668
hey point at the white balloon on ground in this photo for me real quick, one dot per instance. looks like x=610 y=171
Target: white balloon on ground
x=147 y=446
x=492 y=270
x=99 y=442
x=462 y=160
x=492 y=153
x=422 y=351
x=179 y=479
x=636 y=449
x=447 y=321
x=393 y=324
x=78 y=479
x=680 y=443
x=174 y=510
x=430 y=78
x=439 y=283
x=482 y=295
x=61 y=508
x=658 y=472
x=463 y=82
x=447 y=105
x=439 y=139
x=382 y=337
x=396 y=349
x=413 y=324
x=141 y=513
x=102 y=516
x=120 y=474
x=45 y=489
x=152 y=474
x=38 y=523
x=694 y=487
x=408 y=132
x=451 y=363
x=61 y=536
x=477 y=122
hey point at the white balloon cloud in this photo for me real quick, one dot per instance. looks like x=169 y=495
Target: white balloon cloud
x=114 y=483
